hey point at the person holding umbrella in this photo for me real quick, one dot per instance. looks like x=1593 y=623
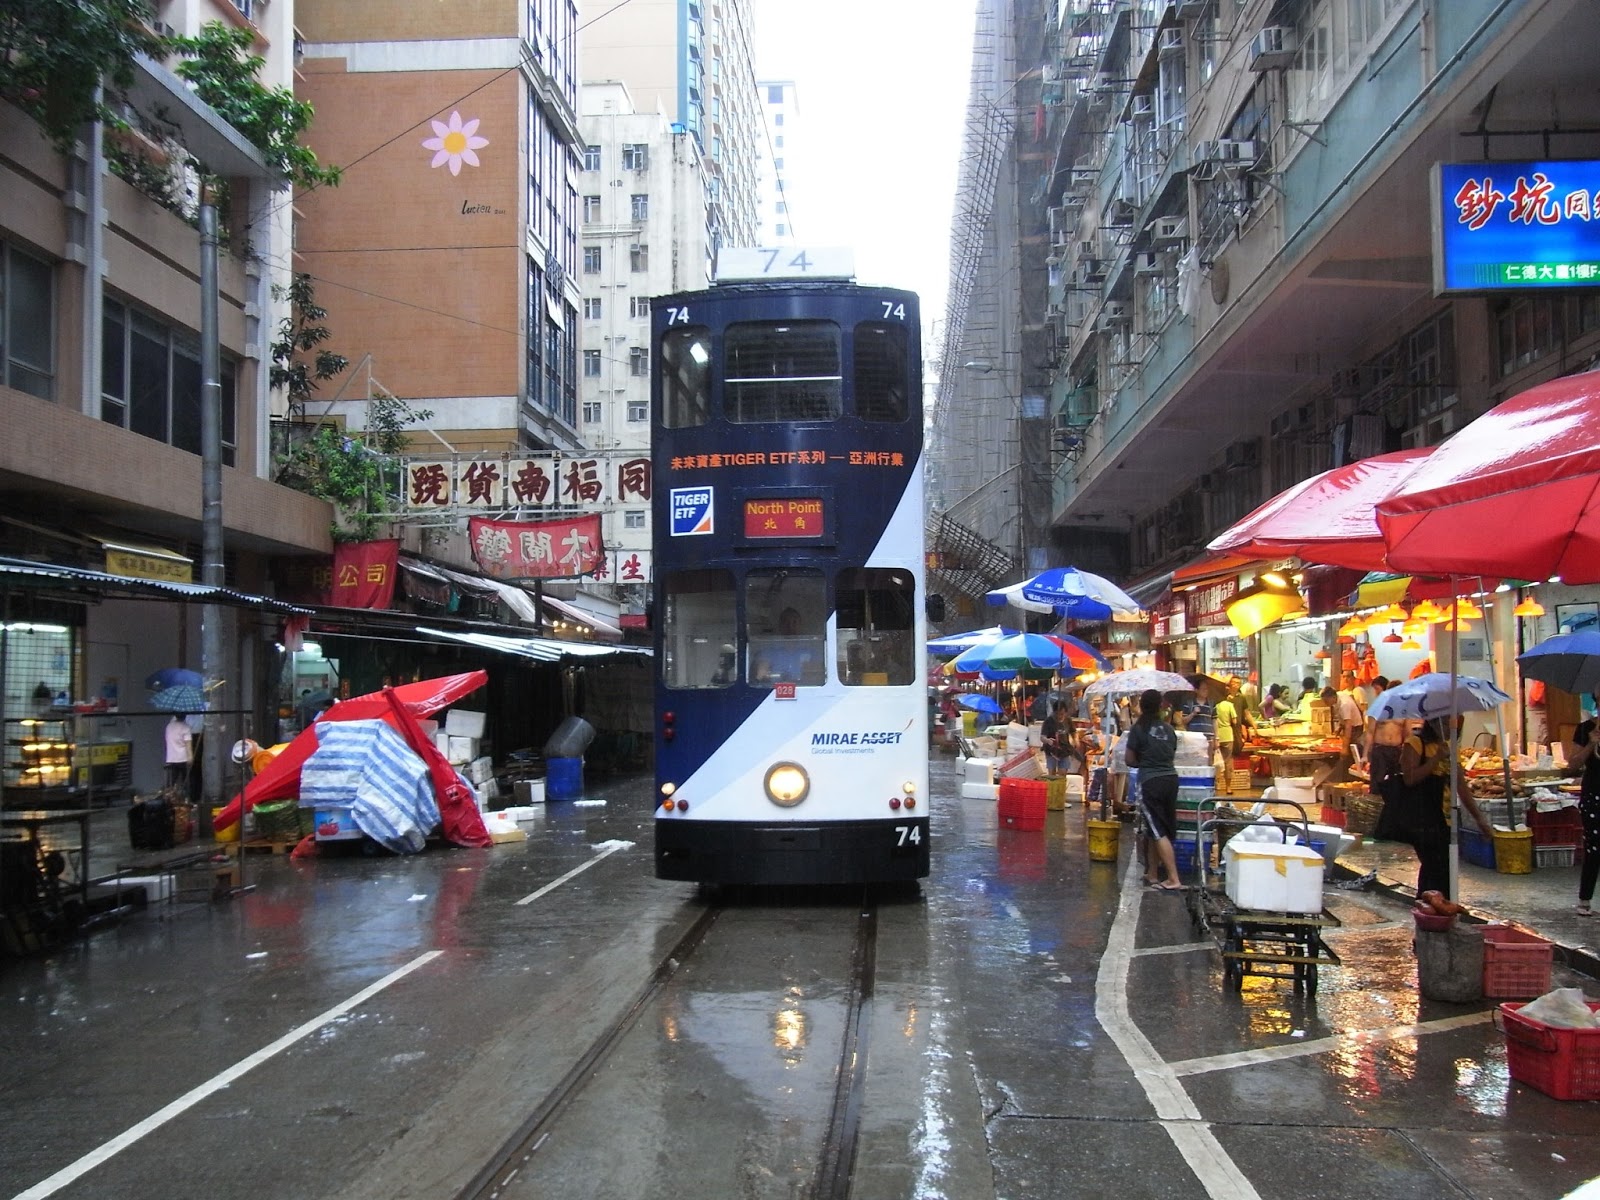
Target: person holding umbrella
x=1152 y=747
x=179 y=743
x=1414 y=805
x=1584 y=752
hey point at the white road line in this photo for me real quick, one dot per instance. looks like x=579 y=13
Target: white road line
x=1250 y=1058
x=577 y=870
x=1192 y=1136
x=216 y=1083
x=1181 y=948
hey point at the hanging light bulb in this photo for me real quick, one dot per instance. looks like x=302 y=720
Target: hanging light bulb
x=1414 y=627
x=1529 y=607
x=1352 y=627
x=1466 y=608
x=1459 y=625
x=1393 y=637
x=1410 y=644
x=1427 y=610
x=1394 y=613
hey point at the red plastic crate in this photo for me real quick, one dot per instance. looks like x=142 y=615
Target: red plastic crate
x=1564 y=827
x=1563 y=1063
x=1023 y=803
x=1516 y=963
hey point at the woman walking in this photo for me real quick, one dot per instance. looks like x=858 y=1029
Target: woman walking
x=1414 y=806
x=1152 y=747
x=1584 y=751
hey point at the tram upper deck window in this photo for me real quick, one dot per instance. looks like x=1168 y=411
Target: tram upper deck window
x=782 y=371
x=699 y=630
x=881 y=372
x=786 y=619
x=877 y=626
x=685 y=377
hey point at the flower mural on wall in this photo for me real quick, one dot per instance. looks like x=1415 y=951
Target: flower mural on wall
x=453 y=143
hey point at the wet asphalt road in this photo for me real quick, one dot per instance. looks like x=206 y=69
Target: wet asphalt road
x=1038 y=1027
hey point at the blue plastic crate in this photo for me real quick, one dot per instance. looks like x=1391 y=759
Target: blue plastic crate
x=1477 y=849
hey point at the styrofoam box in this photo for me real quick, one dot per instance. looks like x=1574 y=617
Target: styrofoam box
x=441 y=742
x=336 y=824
x=1075 y=786
x=461 y=750
x=530 y=791
x=1301 y=791
x=480 y=769
x=463 y=722
x=489 y=791
x=1273 y=878
x=980 y=791
x=1335 y=839
x=979 y=770
x=156 y=887
x=429 y=727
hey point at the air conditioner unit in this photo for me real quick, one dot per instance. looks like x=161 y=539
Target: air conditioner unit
x=1272 y=48
x=1170 y=229
x=1103 y=82
x=1087 y=249
x=1053 y=310
x=1060 y=237
x=1192 y=10
x=1091 y=270
x=1121 y=213
x=1242 y=455
x=1205 y=152
x=1148 y=264
x=1059 y=219
x=1073 y=200
x=1170 y=42
x=1116 y=312
x=1236 y=151
x=163 y=29
x=1144 y=105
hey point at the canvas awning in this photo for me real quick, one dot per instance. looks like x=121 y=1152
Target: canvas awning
x=572 y=612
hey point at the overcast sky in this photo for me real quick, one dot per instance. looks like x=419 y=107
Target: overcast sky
x=882 y=92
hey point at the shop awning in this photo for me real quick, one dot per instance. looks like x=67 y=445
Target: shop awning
x=1212 y=565
x=1150 y=592
x=538 y=649
x=1381 y=590
x=25 y=573
x=572 y=612
x=518 y=601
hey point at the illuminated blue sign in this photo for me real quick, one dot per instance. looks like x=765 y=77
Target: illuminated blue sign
x=691 y=511
x=1517 y=225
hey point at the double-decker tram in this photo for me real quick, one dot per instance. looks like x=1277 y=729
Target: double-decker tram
x=791 y=710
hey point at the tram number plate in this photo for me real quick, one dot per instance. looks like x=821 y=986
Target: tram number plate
x=907 y=840
x=783 y=691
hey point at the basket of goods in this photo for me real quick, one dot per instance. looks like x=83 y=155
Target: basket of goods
x=1362 y=812
x=279 y=822
x=1433 y=913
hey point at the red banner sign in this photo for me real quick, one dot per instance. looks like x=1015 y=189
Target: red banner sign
x=363 y=574
x=563 y=549
x=1207 y=604
x=786 y=518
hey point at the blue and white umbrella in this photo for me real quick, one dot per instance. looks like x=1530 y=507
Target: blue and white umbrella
x=1431 y=696
x=1069 y=592
x=174 y=677
x=179 y=698
x=982 y=704
x=1569 y=661
x=955 y=643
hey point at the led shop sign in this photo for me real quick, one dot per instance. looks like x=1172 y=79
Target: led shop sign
x=1516 y=225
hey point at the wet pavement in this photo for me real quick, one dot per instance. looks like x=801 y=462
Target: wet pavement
x=1041 y=1026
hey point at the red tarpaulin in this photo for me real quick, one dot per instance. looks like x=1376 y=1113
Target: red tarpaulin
x=282 y=778
x=1330 y=518
x=1516 y=493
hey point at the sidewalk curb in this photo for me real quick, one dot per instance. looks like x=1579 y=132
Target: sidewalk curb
x=1577 y=958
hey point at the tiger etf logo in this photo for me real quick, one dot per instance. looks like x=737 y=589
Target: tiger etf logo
x=691 y=511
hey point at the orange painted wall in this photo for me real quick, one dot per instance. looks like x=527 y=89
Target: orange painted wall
x=420 y=267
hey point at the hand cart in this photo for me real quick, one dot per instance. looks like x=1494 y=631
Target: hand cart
x=1277 y=945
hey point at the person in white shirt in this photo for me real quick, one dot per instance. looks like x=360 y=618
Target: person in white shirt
x=1352 y=714
x=179 y=740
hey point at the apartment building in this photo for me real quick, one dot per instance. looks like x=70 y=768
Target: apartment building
x=780 y=112
x=1224 y=279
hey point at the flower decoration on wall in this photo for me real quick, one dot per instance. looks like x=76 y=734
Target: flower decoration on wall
x=454 y=143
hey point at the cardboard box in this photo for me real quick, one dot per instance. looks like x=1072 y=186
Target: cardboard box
x=463 y=722
x=510 y=835
x=1273 y=878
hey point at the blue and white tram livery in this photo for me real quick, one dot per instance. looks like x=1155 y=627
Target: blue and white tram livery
x=791 y=710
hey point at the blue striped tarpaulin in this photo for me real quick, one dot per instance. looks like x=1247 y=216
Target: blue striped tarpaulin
x=367 y=767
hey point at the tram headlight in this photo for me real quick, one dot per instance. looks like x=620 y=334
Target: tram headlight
x=786 y=784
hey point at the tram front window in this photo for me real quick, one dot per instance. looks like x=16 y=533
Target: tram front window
x=782 y=371
x=786 y=620
x=877 y=626
x=699 y=630
x=685 y=377
x=880 y=377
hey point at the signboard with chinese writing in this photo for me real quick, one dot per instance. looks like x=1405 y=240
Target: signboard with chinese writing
x=563 y=549
x=1516 y=225
x=593 y=484
x=1206 y=607
x=135 y=564
x=363 y=574
x=788 y=517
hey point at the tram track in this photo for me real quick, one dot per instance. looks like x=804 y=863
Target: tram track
x=509 y=1172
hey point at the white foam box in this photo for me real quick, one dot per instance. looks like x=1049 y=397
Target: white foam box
x=441 y=742
x=157 y=888
x=1273 y=878
x=489 y=792
x=979 y=770
x=480 y=770
x=530 y=791
x=463 y=722
x=522 y=812
x=980 y=791
x=336 y=824
x=1301 y=790
x=1074 y=786
x=460 y=750
x=429 y=727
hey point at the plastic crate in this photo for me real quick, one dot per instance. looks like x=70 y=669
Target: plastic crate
x=1023 y=803
x=1516 y=963
x=1562 y=1063
x=1476 y=849
x=1554 y=856
x=1563 y=827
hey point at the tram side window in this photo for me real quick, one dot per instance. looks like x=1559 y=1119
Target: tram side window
x=782 y=371
x=880 y=371
x=877 y=626
x=786 y=621
x=699 y=630
x=685 y=377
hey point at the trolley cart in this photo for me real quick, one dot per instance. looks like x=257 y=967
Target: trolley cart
x=1279 y=945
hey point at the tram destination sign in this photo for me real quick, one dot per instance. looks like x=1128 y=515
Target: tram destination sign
x=1500 y=225
x=785 y=517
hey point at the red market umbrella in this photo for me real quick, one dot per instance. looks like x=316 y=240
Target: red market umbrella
x=1516 y=493
x=1330 y=518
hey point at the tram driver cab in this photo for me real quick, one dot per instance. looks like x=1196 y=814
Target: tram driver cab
x=787 y=655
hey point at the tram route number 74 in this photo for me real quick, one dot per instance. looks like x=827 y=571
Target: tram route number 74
x=907 y=837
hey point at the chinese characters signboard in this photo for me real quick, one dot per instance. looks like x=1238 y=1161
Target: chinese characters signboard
x=500 y=482
x=363 y=574
x=561 y=549
x=1206 y=607
x=796 y=517
x=1516 y=225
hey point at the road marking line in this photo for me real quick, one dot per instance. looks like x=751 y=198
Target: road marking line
x=1181 y=948
x=216 y=1083
x=1190 y=1133
x=577 y=870
x=1339 y=1041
